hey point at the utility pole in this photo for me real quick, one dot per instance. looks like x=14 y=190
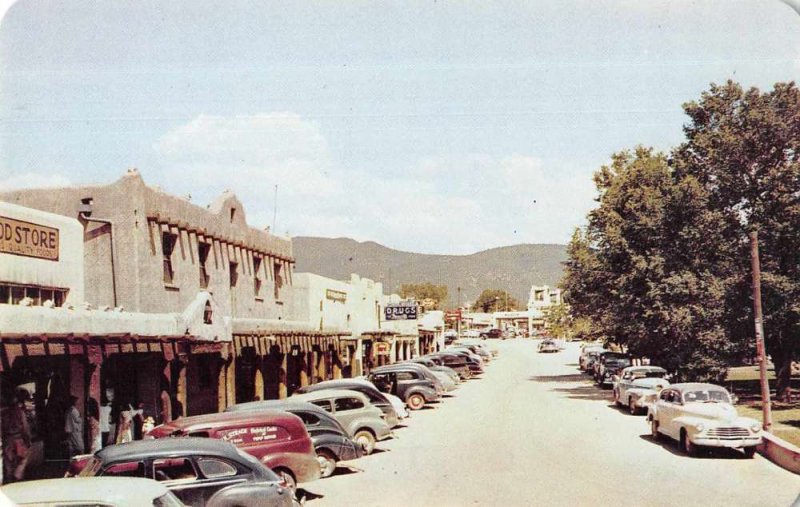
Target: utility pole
x=766 y=404
x=458 y=313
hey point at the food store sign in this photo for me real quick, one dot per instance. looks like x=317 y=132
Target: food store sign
x=31 y=240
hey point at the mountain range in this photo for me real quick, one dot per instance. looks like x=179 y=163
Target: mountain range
x=512 y=268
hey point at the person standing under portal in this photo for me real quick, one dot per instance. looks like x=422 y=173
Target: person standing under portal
x=73 y=427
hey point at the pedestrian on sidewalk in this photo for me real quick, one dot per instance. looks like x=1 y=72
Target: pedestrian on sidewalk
x=73 y=427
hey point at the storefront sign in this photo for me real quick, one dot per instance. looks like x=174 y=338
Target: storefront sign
x=401 y=311
x=31 y=240
x=382 y=348
x=336 y=295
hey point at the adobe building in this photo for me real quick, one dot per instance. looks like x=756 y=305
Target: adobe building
x=355 y=306
x=226 y=286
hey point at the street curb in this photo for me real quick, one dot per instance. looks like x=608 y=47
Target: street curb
x=780 y=452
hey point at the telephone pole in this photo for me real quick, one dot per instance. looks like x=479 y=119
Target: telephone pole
x=766 y=407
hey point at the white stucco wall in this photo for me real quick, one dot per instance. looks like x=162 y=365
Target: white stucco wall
x=66 y=272
x=312 y=303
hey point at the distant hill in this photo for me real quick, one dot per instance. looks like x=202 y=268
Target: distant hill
x=513 y=268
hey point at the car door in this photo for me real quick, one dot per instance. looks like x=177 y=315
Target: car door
x=623 y=385
x=195 y=479
x=668 y=413
x=324 y=433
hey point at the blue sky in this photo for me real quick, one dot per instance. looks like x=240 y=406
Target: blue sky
x=439 y=127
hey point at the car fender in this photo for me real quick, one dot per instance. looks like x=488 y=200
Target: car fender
x=379 y=427
x=305 y=468
x=426 y=392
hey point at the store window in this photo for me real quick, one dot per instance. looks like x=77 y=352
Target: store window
x=168 y=241
x=256 y=276
x=202 y=254
x=12 y=294
x=234 y=274
x=278 y=280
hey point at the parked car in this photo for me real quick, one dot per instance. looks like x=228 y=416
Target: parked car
x=471 y=333
x=638 y=386
x=492 y=333
x=697 y=414
x=480 y=352
x=546 y=346
x=194 y=469
x=487 y=346
x=409 y=384
x=474 y=363
x=363 y=421
x=105 y=491
x=431 y=365
x=591 y=359
x=398 y=405
x=454 y=361
x=586 y=351
x=365 y=387
x=435 y=377
x=332 y=443
x=609 y=364
x=276 y=438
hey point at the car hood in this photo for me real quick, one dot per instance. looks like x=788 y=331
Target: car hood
x=719 y=411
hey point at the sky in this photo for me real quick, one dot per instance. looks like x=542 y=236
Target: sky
x=442 y=127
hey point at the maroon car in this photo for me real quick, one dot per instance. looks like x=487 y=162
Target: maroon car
x=278 y=439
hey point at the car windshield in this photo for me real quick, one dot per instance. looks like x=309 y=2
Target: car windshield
x=707 y=396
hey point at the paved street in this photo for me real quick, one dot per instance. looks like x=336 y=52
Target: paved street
x=535 y=432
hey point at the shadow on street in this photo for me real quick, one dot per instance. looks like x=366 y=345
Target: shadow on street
x=703 y=453
x=576 y=377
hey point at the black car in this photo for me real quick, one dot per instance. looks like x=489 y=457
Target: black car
x=194 y=469
x=407 y=382
x=492 y=333
x=331 y=441
x=366 y=388
x=608 y=364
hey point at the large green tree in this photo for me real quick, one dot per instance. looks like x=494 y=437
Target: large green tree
x=743 y=147
x=643 y=271
x=495 y=300
x=427 y=290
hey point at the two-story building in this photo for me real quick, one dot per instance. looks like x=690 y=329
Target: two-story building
x=226 y=285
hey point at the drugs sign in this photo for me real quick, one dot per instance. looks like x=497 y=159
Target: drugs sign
x=401 y=311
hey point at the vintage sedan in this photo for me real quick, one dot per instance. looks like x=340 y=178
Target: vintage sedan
x=277 y=438
x=364 y=422
x=194 y=469
x=698 y=415
x=331 y=441
x=638 y=386
x=105 y=491
x=406 y=382
x=548 y=346
x=365 y=387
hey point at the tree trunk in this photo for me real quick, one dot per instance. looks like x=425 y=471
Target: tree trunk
x=782 y=359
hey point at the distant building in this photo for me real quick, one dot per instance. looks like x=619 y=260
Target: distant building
x=541 y=297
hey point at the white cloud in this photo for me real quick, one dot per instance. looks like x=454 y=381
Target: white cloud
x=440 y=205
x=33 y=180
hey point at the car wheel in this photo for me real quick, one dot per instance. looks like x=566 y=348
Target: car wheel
x=654 y=429
x=366 y=440
x=632 y=407
x=686 y=443
x=327 y=463
x=287 y=477
x=749 y=452
x=415 y=401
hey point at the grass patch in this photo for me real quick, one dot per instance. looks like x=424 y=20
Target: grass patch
x=785 y=418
